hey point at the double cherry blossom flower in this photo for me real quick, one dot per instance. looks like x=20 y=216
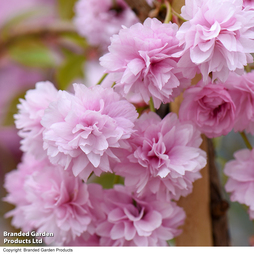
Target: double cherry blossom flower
x=217 y=38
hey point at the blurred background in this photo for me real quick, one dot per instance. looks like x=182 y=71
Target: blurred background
x=39 y=42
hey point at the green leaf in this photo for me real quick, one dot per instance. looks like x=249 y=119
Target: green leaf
x=32 y=54
x=171 y=242
x=71 y=69
x=107 y=180
x=12 y=109
x=66 y=8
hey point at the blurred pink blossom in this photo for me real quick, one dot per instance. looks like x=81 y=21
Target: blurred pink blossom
x=82 y=129
x=241 y=178
x=209 y=107
x=10 y=9
x=15 y=80
x=133 y=221
x=142 y=59
x=97 y=21
x=165 y=159
x=218 y=37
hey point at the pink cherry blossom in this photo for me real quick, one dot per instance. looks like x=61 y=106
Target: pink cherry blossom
x=59 y=203
x=141 y=57
x=241 y=178
x=14 y=185
x=96 y=197
x=209 y=107
x=97 y=21
x=165 y=158
x=218 y=37
x=241 y=89
x=31 y=110
x=133 y=221
x=82 y=130
x=249 y=4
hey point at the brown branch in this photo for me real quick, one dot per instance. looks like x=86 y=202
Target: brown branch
x=35 y=30
x=197 y=229
x=218 y=205
x=140 y=7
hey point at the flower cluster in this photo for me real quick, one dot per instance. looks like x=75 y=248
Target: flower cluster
x=47 y=198
x=70 y=140
x=92 y=131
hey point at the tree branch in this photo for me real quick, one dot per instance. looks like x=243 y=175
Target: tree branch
x=36 y=30
x=140 y=7
x=218 y=205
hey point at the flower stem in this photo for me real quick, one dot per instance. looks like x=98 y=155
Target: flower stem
x=246 y=141
x=169 y=13
x=102 y=78
x=89 y=176
x=178 y=15
x=151 y=105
